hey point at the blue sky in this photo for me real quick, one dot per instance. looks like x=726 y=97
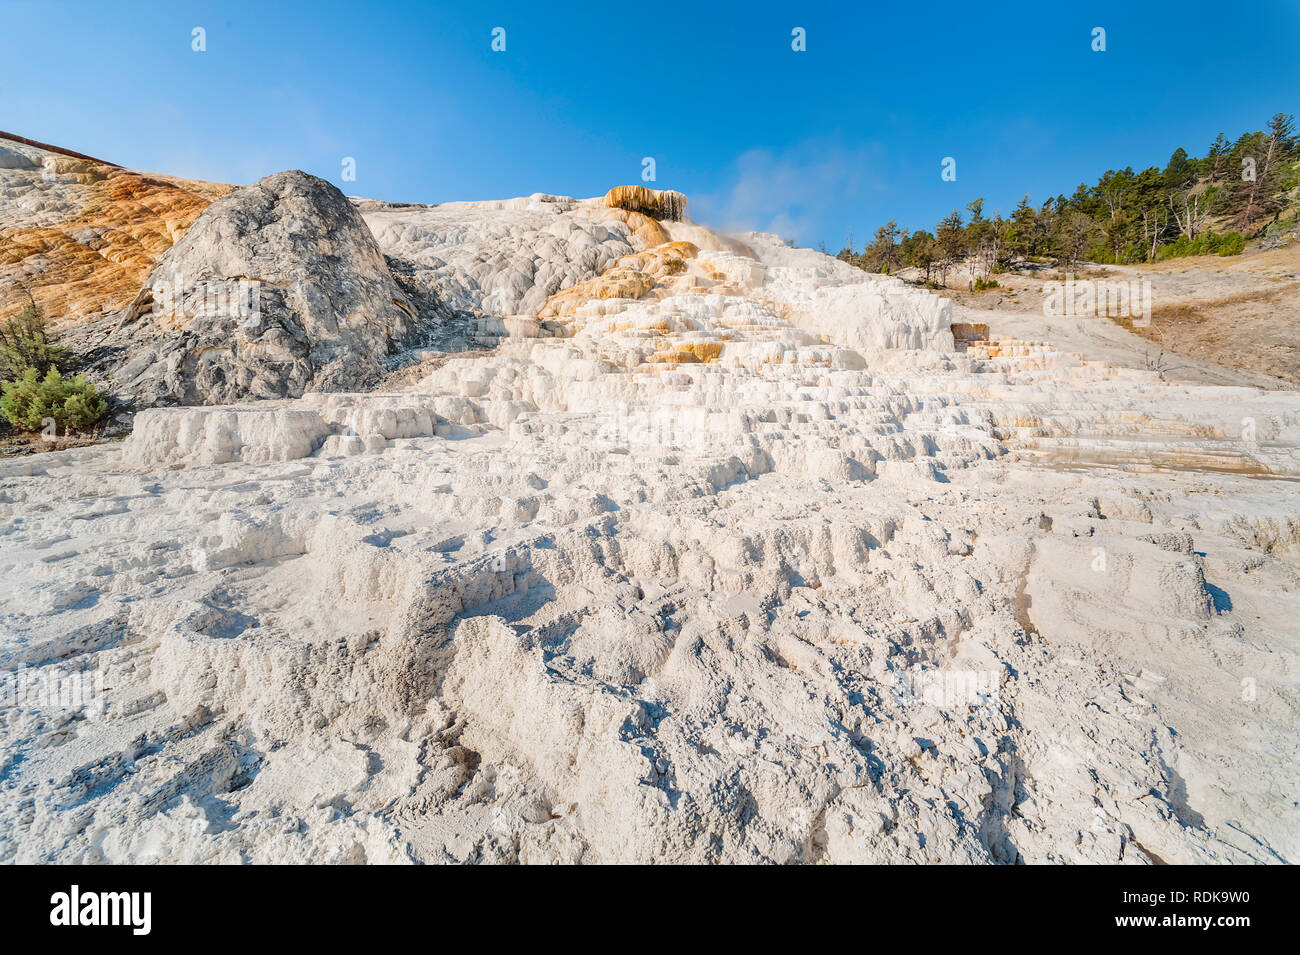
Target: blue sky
x=842 y=136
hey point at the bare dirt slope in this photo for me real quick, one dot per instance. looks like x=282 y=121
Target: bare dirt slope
x=1242 y=312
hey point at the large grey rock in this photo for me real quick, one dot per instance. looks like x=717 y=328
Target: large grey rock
x=276 y=290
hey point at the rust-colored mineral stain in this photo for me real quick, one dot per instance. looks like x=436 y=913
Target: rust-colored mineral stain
x=97 y=260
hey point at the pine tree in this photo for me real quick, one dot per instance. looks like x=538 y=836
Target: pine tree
x=950 y=237
x=882 y=253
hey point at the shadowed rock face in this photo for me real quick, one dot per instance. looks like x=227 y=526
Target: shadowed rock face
x=276 y=290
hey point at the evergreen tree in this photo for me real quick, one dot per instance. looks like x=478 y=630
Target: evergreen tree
x=950 y=238
x=1185 y=208
x=882 y=253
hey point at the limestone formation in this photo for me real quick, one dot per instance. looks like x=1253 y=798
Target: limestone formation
x=726 y=552
x=483 y=262
x=655 y=203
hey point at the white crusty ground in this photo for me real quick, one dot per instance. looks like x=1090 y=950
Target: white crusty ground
x=500 y=258
x=571 y=602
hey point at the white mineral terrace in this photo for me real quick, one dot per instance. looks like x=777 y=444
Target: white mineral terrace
x=754 y=567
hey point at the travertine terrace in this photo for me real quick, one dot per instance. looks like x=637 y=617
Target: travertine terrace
x=725 y=551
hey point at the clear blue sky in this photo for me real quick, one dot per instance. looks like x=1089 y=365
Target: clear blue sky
x=811 y=144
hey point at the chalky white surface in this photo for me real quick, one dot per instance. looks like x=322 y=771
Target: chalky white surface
x=574 y=601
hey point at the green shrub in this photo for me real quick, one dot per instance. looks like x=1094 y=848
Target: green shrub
x=72 y=402
x=982 y=283
x=23 y=345
x=1133 y=252
x=1207 y=243
x=1182 y=246
x=1231 y=244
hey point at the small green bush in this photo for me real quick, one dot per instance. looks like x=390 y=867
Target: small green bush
x=23 y=345
x=72 y=402
x=1231 y=244
x=1207 y=243
x=982 y=283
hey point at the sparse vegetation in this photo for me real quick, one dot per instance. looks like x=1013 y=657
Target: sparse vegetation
x=34 y=389
x=24 y=344
x=1207 y=243
x=1240 y=190
x=72 y=403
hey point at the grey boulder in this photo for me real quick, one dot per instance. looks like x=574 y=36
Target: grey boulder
x=275 y=290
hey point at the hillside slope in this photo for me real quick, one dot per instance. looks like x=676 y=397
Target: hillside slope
x=80 y=235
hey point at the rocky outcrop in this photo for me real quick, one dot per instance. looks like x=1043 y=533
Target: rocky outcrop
x=280 y=288
x=276 y=290
x=484 y=261
x=79 y=235
x=656 y=203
